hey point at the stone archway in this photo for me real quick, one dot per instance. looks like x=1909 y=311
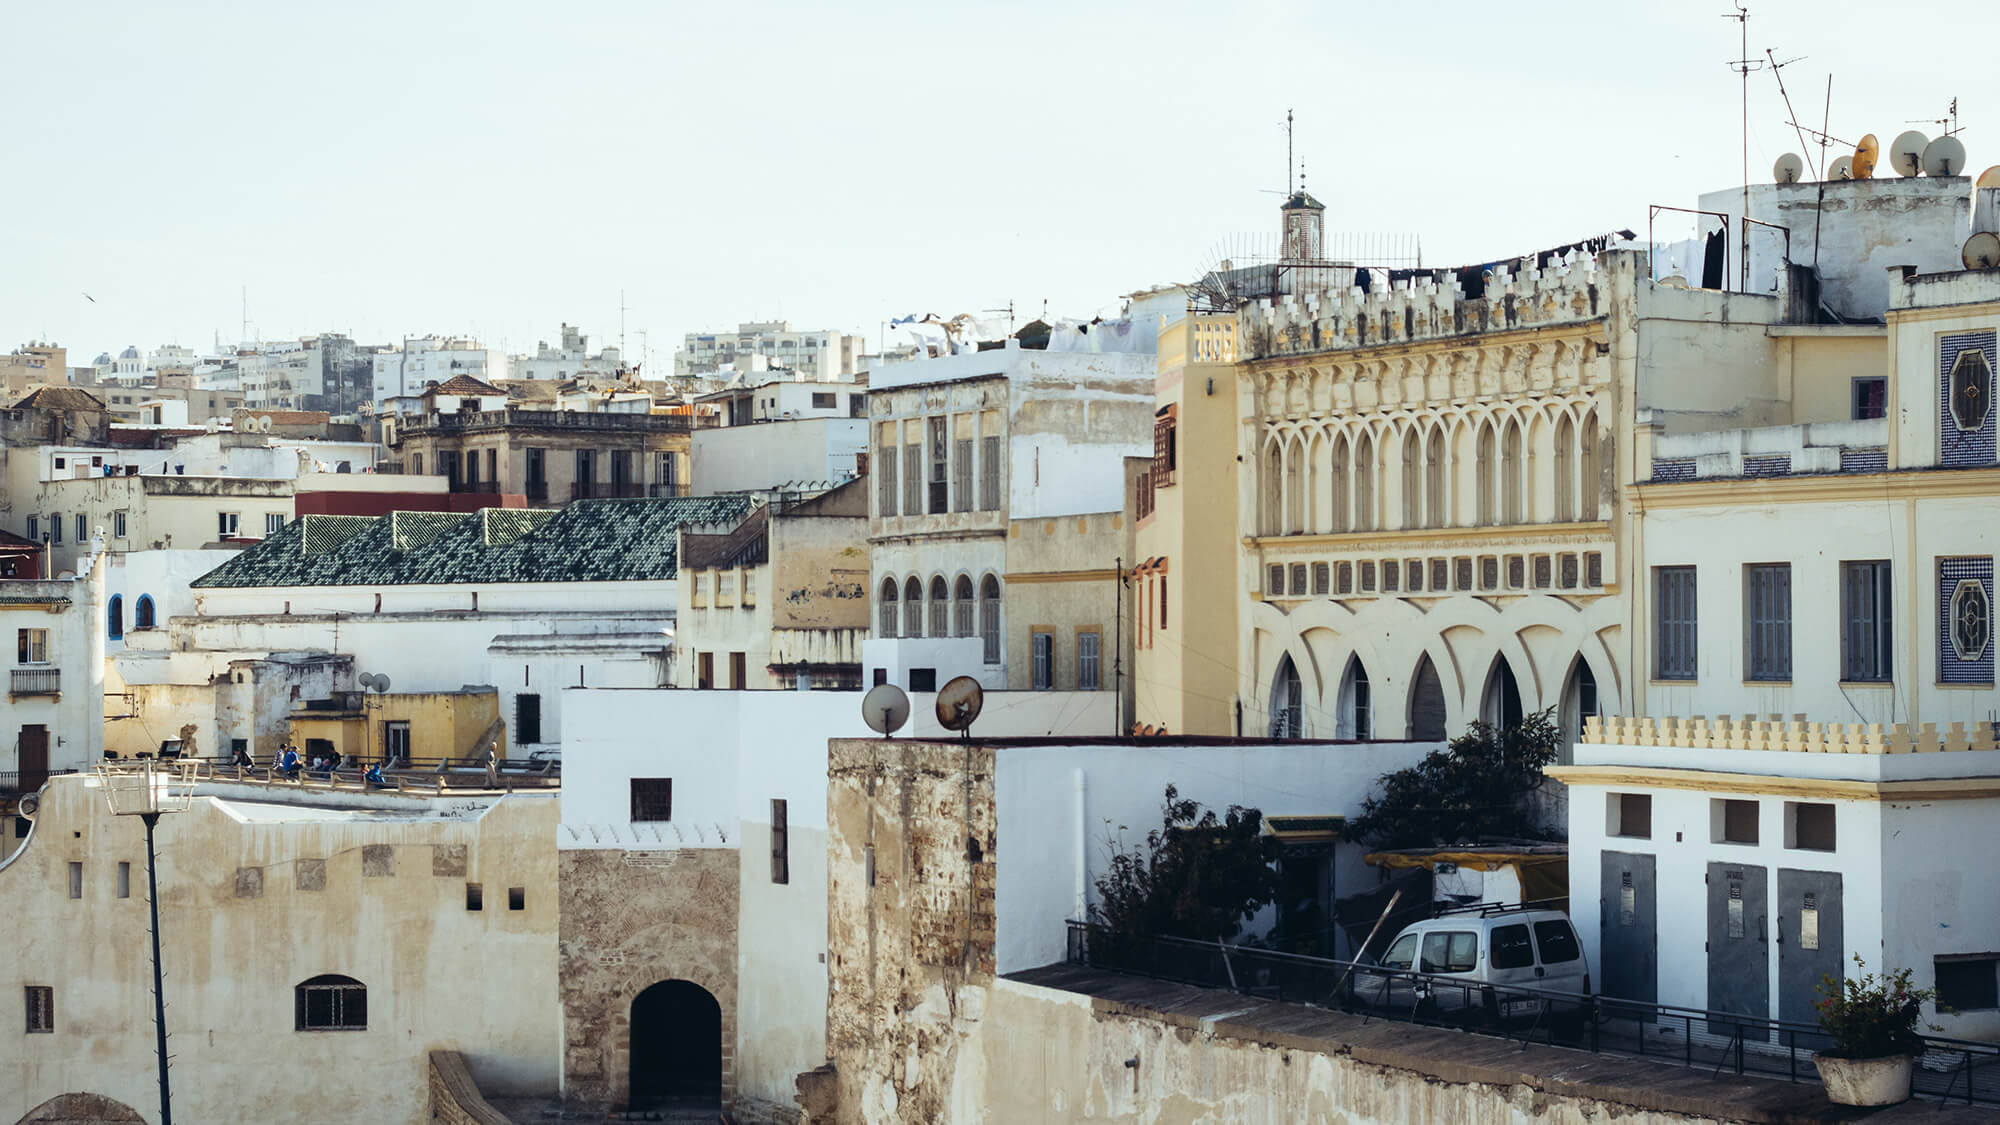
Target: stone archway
x=82 y=1109
x=675 y=1053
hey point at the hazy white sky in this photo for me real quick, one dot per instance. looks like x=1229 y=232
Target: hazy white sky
x=498 y=168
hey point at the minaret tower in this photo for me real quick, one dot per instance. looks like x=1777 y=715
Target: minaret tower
x=1303 y=217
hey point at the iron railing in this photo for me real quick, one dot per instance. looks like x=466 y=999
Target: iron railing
x=26 y=781
x=1950 y=1069
x=35 y=681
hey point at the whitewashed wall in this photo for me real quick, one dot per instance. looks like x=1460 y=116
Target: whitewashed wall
x=1063 y=809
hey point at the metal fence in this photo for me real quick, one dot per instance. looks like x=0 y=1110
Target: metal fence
x=1952 y=1070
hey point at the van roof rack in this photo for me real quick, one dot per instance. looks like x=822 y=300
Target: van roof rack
x=1489 y=909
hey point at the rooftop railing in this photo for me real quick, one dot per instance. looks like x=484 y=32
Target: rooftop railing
x=1950 y=1070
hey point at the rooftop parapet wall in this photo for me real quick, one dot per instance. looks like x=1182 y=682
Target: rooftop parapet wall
x=1796 y=735
x=1325 y=320
x=1818 y=447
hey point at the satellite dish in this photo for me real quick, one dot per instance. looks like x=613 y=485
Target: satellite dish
x=1842 y=168
x=1989 y=178
x=382 y=681
x=366 y=680
x=959 y=702
x=1906 y=155
x=1982 y=251
x=1944 y=156
x=1865 y=155
x=1788 y=169
x=885 y=709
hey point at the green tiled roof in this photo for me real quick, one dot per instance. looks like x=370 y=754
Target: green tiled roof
x=587 y=541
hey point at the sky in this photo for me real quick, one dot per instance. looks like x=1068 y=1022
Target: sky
x=500 y=168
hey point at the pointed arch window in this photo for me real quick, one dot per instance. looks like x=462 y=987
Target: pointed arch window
x=1287 y=702
x=1364 y=483
x=1484 y=457
x=1587 y=469
x=1356 y=703
x=1337 y=483
x=1434 y=479
x=1565 y=469
x=963 y=608
x=1510 y=474
x=1413 y=479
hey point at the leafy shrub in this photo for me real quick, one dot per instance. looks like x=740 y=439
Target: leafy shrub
x=1870 y=1017
x=1476 y=787
x=1196 y=876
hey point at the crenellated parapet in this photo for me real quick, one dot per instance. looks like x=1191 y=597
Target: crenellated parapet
x=1320 y=320
x=1751 y=733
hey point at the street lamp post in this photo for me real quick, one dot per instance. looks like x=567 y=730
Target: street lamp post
x=146 y=788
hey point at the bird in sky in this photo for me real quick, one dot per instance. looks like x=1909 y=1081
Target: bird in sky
x=90 y=298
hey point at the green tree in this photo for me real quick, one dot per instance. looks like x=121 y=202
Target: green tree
x=1196 y=876
x=1479 y=786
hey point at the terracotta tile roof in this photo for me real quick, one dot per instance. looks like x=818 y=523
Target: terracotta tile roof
x=587 y=541
x=467 y=385
x=60 y=398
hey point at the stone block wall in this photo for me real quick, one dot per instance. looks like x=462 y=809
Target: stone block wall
x=455 y=1097
x=631 y=919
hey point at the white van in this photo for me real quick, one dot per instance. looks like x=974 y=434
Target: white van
x=1519 y=947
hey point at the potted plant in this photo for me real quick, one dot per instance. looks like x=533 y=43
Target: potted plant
x=1873 y=1023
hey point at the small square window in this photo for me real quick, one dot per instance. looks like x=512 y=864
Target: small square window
x=652 y=798
x=1298 y=580
x=1732 y=822
x=1274 y=581
x=1629 y=815
x=475 y=897
x=1968 y=983
x=517 y=898
x=1809 y=826
x=1322 y=579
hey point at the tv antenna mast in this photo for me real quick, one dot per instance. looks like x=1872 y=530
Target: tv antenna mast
x=1745 y=66
x=1771 y=61
x=1949 y=120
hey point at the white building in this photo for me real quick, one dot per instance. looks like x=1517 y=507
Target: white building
x=54 y=656
x=821 y=357
x=963 y=449
x=570 y=360
x=693 y=849
x=531 y=601
x=434 y=359
x=1733 y=863
x=780 y=436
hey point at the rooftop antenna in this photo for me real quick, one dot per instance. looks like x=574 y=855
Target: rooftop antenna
x=1288 y=149
x=1776 y=66
x=1949 y=120
x=1744 y=65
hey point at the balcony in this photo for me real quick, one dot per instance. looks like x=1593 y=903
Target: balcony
x=26 y=781
x=487 y=487
x=471 y=421
x=36 y=681
x=537 y=491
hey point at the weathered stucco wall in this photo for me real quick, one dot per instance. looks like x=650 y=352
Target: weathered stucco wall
x=629 y=920
x=256 y=898
x=910 y=923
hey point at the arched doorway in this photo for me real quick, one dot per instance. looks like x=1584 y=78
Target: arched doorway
x=1501 y=704
x=676 y=1047
x=1426 y=704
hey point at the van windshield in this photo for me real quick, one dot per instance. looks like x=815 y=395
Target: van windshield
x=1558 y=941
x=1402 y=954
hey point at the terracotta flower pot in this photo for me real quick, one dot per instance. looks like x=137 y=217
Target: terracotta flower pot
x=1883 y=1081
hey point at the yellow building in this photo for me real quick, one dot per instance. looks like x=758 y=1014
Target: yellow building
x=416 y=726
x=1184 y=612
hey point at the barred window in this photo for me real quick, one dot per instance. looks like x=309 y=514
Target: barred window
x=1322 y=579
x=1274 y=578
x=1674 y=657
x=1298 y=580
x=1440 y=574
x=652 y=798
x=1867 y=646
x=1462 y=573
x=1346 y=578
x=330 y=1003
x=1768 y=594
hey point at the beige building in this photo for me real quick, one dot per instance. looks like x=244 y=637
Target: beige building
x=593 y=447
x=1433 y=520
x=778 y=599
x=315 y=948
x=32 y=365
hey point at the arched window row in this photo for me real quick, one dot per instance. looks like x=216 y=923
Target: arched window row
x=913 y=607
x=1353 y=711
x=1529 y=465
